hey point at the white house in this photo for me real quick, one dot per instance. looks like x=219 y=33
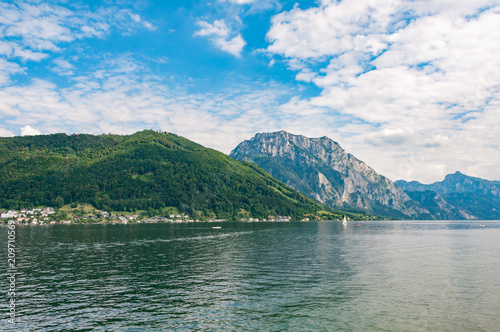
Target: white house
x=49 y=210
x=10 y=214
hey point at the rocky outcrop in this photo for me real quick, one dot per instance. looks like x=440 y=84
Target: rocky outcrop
x=320 y=168
x=439 y=207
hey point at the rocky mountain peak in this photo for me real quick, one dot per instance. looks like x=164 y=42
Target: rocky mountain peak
x=320 y=168
x=282 y=144
x=455 y=176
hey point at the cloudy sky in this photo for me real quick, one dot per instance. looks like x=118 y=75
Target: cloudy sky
x=410 y=87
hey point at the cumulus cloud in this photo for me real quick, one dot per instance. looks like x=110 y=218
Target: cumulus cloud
x=331 y=28
x=29 y=131
x=431 y=66
x=222 y=37
x=233 y=46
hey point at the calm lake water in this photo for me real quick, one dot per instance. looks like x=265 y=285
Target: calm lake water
x=378 y=276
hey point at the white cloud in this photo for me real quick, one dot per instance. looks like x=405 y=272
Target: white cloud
x=242 y=2
x=227 y=21
x=218 y=29
x=331 y=28
x=121 y=96
x=390 y=136
x=62 y=67
x=300 y=107
x=6 y=133
x=406 y=71
x=7 y=69
x=32 y=29
x=222 y=36
x=137 y=18
x=29 y=131
x=253 y=6
x=233 y=46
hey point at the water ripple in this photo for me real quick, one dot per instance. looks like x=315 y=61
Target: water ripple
x=258 y=277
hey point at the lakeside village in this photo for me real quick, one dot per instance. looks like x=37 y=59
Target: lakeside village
x=48 y=215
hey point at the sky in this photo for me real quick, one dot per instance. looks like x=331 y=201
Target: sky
x=412 y=88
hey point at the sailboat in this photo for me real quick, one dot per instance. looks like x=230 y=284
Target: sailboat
x=345 y=221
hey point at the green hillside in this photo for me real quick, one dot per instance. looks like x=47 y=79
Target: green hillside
x=145 y=171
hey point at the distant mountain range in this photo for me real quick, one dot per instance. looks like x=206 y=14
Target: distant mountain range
x=321 y=169
x=147 y=171
x=457 y=195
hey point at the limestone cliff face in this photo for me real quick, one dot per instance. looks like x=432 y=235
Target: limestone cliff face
x=320 y=168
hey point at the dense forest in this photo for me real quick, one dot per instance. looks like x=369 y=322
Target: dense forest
x=145 y=171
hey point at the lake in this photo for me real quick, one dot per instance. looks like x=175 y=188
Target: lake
x=317 y=276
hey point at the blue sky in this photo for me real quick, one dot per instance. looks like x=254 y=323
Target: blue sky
x=410 y=87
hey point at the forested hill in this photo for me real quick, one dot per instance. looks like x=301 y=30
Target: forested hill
x=144 y=171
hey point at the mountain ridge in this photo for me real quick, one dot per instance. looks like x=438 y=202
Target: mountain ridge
x=473 y=197
x=321 y=169
x=147 y=170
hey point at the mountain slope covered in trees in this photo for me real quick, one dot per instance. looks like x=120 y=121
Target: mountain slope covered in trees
x=145 y=171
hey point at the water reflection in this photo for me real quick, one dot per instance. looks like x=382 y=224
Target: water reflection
x=389 y=276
